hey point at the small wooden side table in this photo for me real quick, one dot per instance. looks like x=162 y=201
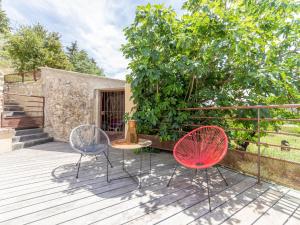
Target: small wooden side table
x=121 y=144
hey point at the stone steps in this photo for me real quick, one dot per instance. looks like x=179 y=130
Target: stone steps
x=13 y=108
x=29 y=131
x=30 y=137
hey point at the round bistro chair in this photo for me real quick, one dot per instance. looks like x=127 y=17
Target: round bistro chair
x=89 y=140
x=201 y=148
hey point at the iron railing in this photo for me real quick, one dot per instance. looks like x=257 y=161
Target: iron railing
x=274 y=161
x=22 y=111
x=258 y=120
x=112 y=110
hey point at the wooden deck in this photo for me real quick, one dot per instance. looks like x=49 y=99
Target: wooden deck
x=38 y=186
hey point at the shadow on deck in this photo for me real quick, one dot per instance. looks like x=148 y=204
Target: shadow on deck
x=38 y=186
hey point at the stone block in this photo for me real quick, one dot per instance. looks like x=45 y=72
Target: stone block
x=6 y=135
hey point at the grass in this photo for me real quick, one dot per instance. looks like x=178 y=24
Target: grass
x=275 y=152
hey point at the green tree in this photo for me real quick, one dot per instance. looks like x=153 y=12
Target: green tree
x=33 y=46
x=4 y=22
x=81 y=62
x=4 y=31
x=219 y=53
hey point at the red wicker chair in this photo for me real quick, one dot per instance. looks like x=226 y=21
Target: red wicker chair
x=201 y=148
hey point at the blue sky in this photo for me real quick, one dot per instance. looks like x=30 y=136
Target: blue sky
x=97 y=25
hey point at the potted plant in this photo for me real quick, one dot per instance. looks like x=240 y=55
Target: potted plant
x=131 y=135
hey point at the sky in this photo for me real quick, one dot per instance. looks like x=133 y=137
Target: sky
x=97 y=25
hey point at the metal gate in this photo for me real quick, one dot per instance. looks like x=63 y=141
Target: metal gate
x=112 y=110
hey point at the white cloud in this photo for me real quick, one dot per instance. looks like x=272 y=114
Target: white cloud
x=97 y=25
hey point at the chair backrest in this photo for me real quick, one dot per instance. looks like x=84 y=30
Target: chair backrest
x=202 y=147
x=89 y=139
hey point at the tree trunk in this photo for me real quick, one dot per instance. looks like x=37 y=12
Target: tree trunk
x=245 y=144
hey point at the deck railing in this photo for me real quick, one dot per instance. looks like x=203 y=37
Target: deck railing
x=273 y=142
x=259 y=132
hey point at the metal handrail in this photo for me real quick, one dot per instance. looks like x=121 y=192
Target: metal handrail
x=284 y=106
x=34 y=96
x=258 y=119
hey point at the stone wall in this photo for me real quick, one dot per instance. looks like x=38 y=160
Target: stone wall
x=6 y=135
x=71 y=99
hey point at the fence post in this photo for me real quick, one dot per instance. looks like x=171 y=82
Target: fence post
x=43 y=112
x=258 y=145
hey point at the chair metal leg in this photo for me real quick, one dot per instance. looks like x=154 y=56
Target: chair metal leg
x=78 y=165
x=106 y=156
x=172 y=175
x=208 y=192
x=222 y=176
x=107 y=178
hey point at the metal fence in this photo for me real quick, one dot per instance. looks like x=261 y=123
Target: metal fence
x=112 y=110
x=285 y=150
x=270 y=133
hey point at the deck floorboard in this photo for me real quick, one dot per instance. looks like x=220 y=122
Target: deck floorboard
x=38 y=186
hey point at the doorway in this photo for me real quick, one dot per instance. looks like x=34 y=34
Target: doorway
x=112 y=110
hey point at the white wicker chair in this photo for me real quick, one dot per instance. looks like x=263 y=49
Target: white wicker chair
x=90 y=140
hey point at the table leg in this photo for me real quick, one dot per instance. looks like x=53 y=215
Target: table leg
x=135 y=178
x=123 y=162
x=107 y=178
x=140 y=171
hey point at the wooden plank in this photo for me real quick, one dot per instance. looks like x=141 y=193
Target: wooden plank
x=294 y=219
x=279 y=212
x=77 y=201
x=69 y=170
x=164 y=209
x=180 y=189
x=12 y=170
x=231 y=206
x=112 y=198
x=69 y=180
x=255 y=209
x=30 y=193
x=67 y=163
x=61 y=191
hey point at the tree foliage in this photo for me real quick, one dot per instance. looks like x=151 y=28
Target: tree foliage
x=33 y=46
x=4 y=31
x=4 y=22
x=219 y=53
x=81 y=62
